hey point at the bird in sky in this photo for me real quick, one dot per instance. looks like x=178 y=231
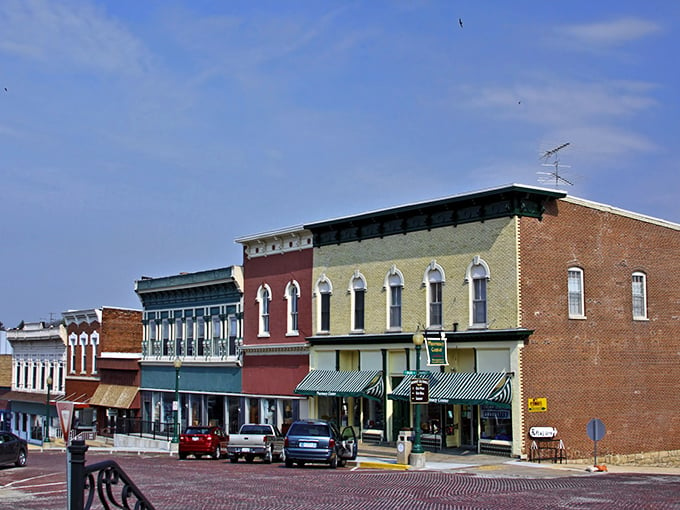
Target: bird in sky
x=460 y=22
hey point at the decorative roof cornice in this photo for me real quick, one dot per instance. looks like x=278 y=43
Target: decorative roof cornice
x=506 y=201
x=293 y=348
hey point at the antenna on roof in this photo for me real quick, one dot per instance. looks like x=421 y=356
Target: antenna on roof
x=553 y=177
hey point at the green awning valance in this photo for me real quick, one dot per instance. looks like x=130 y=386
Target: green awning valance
x=471 y=388
x=339 y=383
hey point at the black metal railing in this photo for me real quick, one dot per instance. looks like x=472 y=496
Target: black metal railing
x=106 y=480
x=143 y=428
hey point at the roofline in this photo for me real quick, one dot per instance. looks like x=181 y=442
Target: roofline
x=547 y=192
x=272 y=233
x=622 y=212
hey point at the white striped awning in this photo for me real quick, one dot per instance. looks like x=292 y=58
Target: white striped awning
x=471 y=388
x=339 y=383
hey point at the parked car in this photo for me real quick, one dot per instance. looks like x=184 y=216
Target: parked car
x=263 y=441
x=319 y=441
x=13 y=449
x=199 y=441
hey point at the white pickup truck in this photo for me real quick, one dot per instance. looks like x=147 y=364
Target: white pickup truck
x=256 y=440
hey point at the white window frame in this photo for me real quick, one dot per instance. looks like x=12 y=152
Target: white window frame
x=83 y=353
x=478 y=275
x=94 y=341
x=324 y=287
x=357 y=283
x=639 y=293
x=428 y=279
x=264 y=297
x=72 y=342
x=292 y=308
x=394 y=280
x=576 y=296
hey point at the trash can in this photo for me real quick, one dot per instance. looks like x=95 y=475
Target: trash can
x=404 y=446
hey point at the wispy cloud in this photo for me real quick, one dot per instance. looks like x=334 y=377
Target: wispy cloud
x=608 y=33
x=69 y=34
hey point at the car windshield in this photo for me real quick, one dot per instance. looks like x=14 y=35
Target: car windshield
x=309 y=429
x=255 y=429
x=197 y=430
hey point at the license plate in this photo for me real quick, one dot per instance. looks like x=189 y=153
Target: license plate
x=195 y=438
x=307 y=444
x=245 y=450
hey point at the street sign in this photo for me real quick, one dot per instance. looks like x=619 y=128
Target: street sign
x=596 y=429
x=415 y=372
x=420 y=391
x=410 y=372
x=65 y=412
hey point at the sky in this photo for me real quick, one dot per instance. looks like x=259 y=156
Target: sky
x=141 y=138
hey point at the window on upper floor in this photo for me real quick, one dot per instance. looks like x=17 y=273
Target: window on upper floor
x=94 y=340
x=477 y=276
x=83 y=353
x=434 y=282
x=190 y=335
x=264 y=296
x=639 y=291
x=324 y=290
x=394 y=283
x=575 y=293
x=293 y=298
x=72 y=341
x=357 y=290
x=179 y=343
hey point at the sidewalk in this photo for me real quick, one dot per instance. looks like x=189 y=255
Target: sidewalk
x=460 y=461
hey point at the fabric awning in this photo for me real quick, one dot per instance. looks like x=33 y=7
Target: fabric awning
x=114 y=395
x=471 y=388
x=334 y=383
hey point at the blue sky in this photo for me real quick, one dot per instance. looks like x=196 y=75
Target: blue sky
x=142 y=138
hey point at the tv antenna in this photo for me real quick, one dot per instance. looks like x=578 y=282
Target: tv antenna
x=553 y=177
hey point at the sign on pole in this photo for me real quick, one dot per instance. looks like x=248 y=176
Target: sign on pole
x=65 y=412
x=436 y=350
x=420 y=391
x=596 y=431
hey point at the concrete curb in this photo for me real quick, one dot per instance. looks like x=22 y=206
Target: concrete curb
x=371 y=464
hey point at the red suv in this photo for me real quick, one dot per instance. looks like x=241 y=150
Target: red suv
x=198 y=441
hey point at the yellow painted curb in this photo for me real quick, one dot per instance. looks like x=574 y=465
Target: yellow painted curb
x=381 y=465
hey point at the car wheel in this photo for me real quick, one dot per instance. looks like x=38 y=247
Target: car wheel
x=233 y=459
x=217 y=453
x=289 y=463
x=21 y=459
x=342 y=462
x=182 y=456
x=282 y=456
x=301 y=463
x=334 y=462
x=250 y=458
x=268 y=456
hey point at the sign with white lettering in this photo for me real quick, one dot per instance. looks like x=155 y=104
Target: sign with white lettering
x=420 y=391
x=436 y=350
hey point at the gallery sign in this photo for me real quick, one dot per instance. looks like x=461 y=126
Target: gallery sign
x=420 y=391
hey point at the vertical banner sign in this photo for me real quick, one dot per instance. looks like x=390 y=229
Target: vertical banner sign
x=436 y=350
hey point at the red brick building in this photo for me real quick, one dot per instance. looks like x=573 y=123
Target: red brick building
x=600 y=288
x=277 y=305
x=102 y=354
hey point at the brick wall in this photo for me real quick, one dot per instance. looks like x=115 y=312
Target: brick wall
x=608 y=365
x=121 y=330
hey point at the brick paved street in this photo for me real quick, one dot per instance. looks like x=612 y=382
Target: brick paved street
x=205 y=484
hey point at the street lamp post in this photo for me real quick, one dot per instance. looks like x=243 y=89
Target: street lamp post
x=47 y=410
x=418 y=340
x=175 y=434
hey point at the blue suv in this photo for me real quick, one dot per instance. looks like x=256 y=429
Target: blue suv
x=319 y=441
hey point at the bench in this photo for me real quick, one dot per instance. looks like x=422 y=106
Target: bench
x=372 y=436
x=431 y=441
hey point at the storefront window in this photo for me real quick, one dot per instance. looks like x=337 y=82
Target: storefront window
x=496 y=423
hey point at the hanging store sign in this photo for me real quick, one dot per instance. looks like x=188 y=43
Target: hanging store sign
x=420 y=391
x=436 y=350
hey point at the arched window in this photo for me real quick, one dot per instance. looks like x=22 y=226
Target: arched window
x=477 y=276
x=434 y=282
x=293 y=298
x=639 y=290
x=264 y=296
x=357 y=289
x=575 y=293
x=324 y=290
x=394 y=283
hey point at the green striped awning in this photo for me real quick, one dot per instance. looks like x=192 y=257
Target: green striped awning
x=471 y=388
x=338 y=383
